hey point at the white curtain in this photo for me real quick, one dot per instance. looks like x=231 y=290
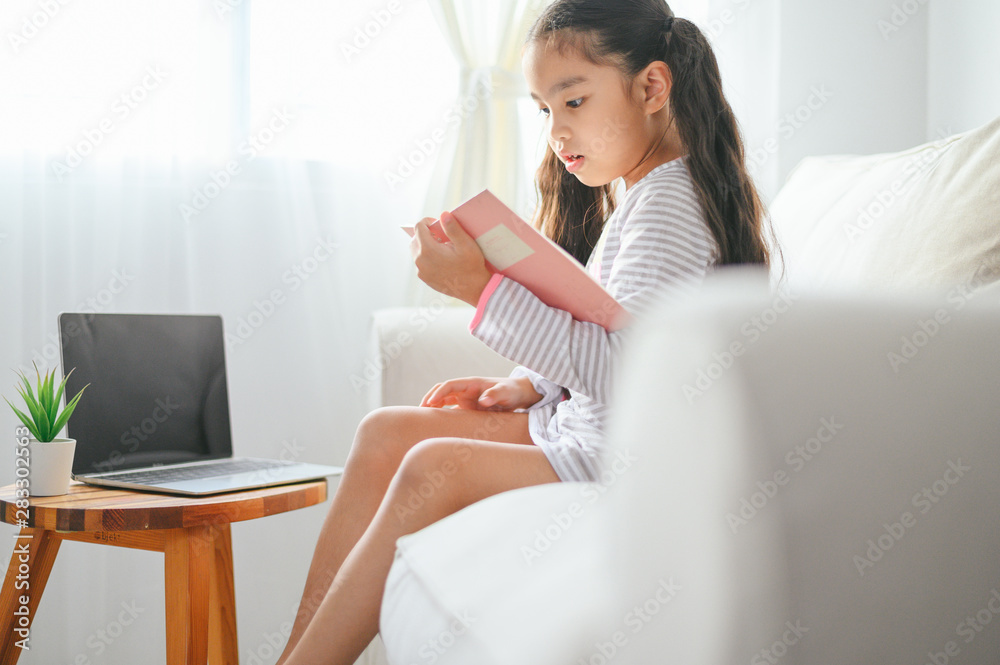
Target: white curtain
x=295 y=249
x=486 y=139
x=295 y=278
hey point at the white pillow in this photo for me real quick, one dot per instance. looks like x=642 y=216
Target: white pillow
x=928 y=216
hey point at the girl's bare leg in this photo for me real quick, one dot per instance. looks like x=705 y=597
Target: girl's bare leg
x=464 y=471
x=382 y=439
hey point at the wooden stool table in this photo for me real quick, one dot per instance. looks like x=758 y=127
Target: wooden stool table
x=192 y=532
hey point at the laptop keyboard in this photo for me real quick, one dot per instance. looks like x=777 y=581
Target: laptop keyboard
x=198 y=471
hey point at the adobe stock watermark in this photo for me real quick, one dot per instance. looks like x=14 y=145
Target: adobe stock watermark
x=224 y=7
x=435 y=479
x=634 y=621
x=727 y=17
x=248 y=150
x=21 y=624
x=779 y=648
x=293 y=279
x=901 y=14
x=428 y=146
x=132 y=438
x=34 y=23
x=99 y=302
x=751 y=330
x=561 y=522
x=613 y=130
x=789 y=125
x=883 y=201
x=796 y=459
x=101 y=639
x=125 y=105
x=927 y=329
x=969 y=629
x=433 y=649
x=923 y=501
x=370 y=30
x=417 y=323
x=290 y=452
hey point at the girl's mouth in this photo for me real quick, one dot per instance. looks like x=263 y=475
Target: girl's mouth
x=574 y=163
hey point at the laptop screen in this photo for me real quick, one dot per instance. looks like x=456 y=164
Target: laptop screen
x=157 y=392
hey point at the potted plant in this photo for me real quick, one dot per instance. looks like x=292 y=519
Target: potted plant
x=50 y=460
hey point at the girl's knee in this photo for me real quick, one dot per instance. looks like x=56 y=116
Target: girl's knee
x=428 y=469
x=382 y=432
x=386 y=418
x=423 y=487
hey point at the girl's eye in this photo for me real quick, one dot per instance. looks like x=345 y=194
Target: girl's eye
x=573 y=104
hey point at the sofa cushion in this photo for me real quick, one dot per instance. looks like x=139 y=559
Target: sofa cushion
x=823 y=493
x=928 y=216
x=514 y=579
x=413 y=348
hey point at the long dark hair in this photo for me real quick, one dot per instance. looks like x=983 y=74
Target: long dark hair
x=630 y=34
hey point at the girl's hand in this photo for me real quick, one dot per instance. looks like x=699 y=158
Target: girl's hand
x=484 y=394
x=455 y=268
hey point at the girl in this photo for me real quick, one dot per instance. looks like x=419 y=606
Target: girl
x=627 y=91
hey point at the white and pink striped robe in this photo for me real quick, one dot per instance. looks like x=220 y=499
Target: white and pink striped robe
x=655 y=245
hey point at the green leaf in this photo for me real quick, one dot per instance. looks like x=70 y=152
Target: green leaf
x=29 y=401
x=67 y=412
x=44 y=426
x=28 y=422
x=62 y=386
x=27 y=385
x=53 y=402
x=44 y=398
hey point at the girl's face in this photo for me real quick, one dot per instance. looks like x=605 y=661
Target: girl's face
x=598 y=130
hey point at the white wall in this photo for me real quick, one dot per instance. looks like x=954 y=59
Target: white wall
x=862 y=76
x=877 y=85
x=963 y=83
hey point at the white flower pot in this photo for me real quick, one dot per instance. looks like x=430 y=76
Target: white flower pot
x=50 y=466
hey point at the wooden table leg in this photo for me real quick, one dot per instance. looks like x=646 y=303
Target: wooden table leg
x=188 y=561
x=30 y=564
x=223 y=648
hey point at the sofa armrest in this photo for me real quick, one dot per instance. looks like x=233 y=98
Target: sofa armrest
x=412 y=348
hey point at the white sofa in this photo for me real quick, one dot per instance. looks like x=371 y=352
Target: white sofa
x=807 y=475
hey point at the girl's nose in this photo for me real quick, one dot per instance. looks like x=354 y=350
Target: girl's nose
x=559 y=131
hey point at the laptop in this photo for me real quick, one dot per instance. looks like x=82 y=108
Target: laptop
x=155 y=416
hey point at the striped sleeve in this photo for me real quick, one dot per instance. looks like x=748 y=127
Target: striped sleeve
x=665 y=249
x=573 y=354
x=549 y=390
x=663 y=246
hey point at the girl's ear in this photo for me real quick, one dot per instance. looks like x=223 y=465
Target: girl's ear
x=655 y=81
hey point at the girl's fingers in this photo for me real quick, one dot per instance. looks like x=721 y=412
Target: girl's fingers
x=496 y=397
x=431 y=395
x=445 y=393
x=489 y=397
x=466 y=393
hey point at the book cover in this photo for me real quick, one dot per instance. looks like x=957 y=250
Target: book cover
x=516 y=249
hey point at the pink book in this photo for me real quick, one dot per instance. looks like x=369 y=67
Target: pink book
x=517 y=250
